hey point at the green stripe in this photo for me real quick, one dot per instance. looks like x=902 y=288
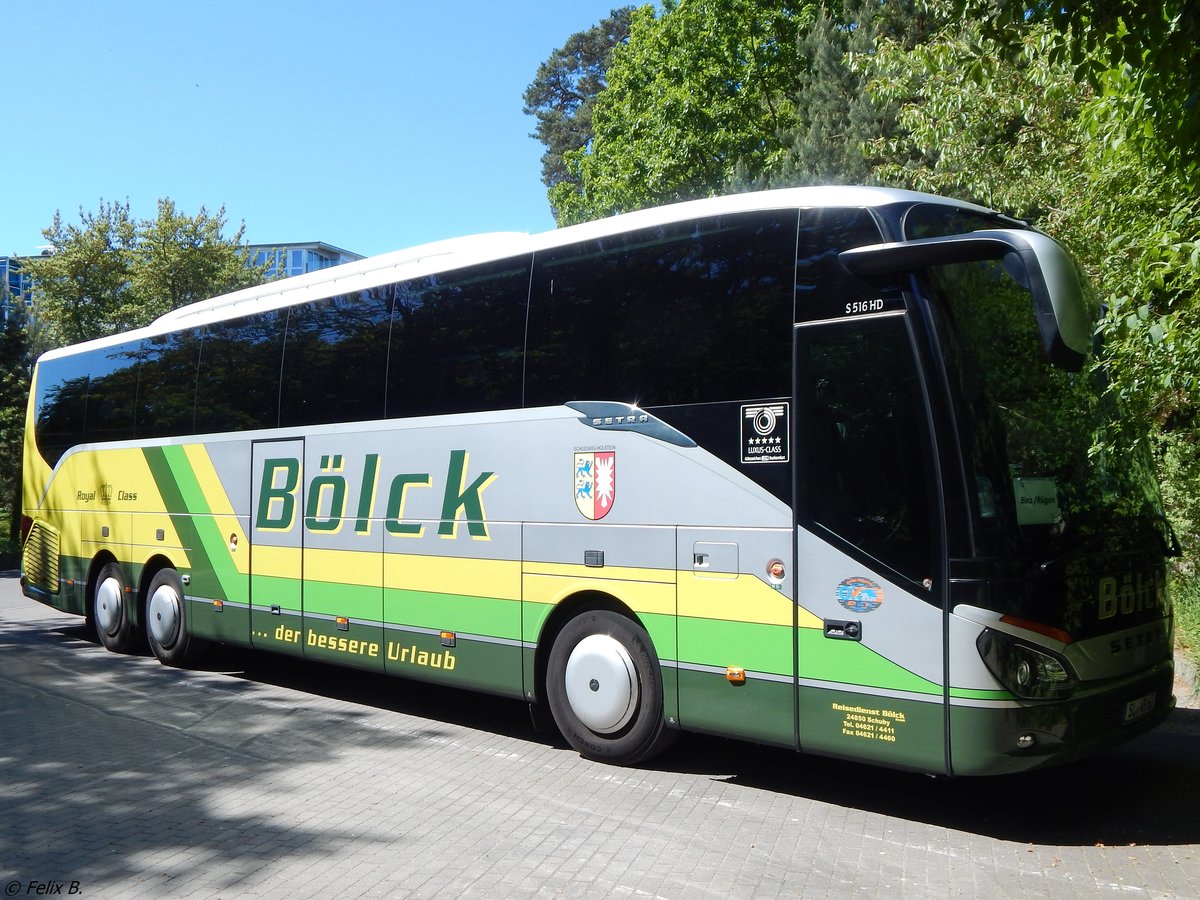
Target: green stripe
x=213 y=571
x=849 y=662
x=454 y=612
x=720 y=642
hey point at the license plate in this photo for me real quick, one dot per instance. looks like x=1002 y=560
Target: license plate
x=1135 y=709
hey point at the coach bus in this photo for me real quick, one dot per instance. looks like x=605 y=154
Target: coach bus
x=820 y=468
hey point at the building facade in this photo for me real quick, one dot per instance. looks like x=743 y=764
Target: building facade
x=286 y=260
x=16 y=286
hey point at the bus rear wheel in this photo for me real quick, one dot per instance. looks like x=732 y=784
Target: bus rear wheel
x=605 y=689
x=166 y=621
x=110 y=611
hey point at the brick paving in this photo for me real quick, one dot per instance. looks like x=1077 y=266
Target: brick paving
x=263 y=777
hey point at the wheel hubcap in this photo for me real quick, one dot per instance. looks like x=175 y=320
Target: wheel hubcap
x=108 y=605
x=601 y=682
x=164 y=616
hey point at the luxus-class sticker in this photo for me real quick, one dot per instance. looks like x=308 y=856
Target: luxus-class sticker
x=859 y=595
x=765 y=433
x=595 y=482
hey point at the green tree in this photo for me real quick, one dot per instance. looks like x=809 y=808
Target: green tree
x=698 y=94
x=834 y=120
x=80 y=288
x=980 y=125
x=14 y=389
x=1158 y=42
x=178 y=259
x=111 y=272
x=565 y=88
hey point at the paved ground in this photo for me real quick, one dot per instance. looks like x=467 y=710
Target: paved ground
x=259 y=776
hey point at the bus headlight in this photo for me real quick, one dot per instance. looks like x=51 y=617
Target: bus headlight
x=1032 y=673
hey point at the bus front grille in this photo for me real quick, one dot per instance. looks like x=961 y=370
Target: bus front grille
x=40 y=559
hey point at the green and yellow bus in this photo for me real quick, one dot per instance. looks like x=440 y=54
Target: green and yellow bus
x=818 y=468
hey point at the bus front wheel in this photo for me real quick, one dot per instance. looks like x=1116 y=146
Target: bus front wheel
x=605 y=689
x=110 y=612
x=166 y=621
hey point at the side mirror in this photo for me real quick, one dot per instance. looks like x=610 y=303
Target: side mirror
x=1034 y=260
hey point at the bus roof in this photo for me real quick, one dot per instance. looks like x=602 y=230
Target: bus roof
x=454 y=253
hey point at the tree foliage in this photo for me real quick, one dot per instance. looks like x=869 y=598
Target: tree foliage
x=698 y=93
x=1158 y=42
x=81 y=288
x=111 y=272
x=565 y=88
x=834 y=119
x=14 y=388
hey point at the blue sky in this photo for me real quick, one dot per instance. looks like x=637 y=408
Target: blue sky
x=371 y=126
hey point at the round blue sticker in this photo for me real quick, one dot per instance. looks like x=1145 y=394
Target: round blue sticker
x=860 y=595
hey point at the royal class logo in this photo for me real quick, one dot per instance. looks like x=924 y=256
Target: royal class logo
x=595 y=483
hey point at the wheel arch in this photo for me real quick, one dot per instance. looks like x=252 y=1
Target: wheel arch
x=564 y=611
x=152 y=567
x=99 y=561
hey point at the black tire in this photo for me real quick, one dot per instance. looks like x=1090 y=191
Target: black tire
x=108 y=610
x=605 y=690
x=167 y=621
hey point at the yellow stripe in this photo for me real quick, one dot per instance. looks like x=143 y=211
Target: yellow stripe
x=277 y=562
x=363 y=568
x=609 y=573
x=640 y=596
x=207 y=478
x=218 y=502
x=499 y=578
x=741 y=599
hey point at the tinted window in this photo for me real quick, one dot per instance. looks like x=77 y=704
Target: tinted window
x=167 y=384
x=61 y=405
x=237 y=387
x=112 y=393
x=86 y=398
x=686 y=313
x=457 y=341
x=824 y=287
x=335 y=359
x=864 y=442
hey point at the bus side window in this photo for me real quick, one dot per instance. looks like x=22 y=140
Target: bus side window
x=61 y=405
x=865 y=465
x=166 y=394
x=458 y=341
x=335 y=359
x=237 y=385
x=697 y=313
x=112 y=391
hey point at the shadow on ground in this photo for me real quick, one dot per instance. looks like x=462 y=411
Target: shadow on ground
x=1142 y=793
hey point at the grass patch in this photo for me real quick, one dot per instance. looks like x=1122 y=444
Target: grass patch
x=1185 y=592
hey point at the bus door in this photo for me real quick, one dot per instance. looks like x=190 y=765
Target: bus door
x=870 y=642
x=276 y=546
x=342 y=556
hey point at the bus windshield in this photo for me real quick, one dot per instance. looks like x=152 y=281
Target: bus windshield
x=1047 y=477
